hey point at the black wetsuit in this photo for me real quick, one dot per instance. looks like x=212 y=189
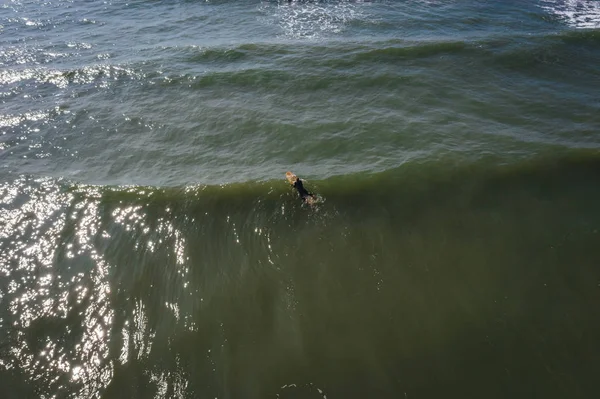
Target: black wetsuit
x=304 y=194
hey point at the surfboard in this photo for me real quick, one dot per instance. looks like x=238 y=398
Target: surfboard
x=291 y=178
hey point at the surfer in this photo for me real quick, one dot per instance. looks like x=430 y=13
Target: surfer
x=306 y=196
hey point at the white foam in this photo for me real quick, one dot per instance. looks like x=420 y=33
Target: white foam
x=313 y=20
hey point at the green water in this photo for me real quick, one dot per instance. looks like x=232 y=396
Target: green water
x=150 y=246
x=477 y=281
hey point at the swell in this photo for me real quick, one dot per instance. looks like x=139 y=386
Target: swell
x=221 y=233
x=417 y=179
x=588 y=37
x=575 y=50
x=48 y=222
x=147 y=269
x=246 y=51
x=359 y=52
x=383 y=50
x=420 y=50
x=274 y=64
x=317 y=66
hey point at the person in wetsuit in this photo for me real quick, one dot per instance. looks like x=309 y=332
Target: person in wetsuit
x=304 y=194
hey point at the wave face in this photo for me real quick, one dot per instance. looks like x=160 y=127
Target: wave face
x=149 y=246
x=418 y=273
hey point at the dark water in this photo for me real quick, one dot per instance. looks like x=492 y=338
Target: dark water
x=150 y=247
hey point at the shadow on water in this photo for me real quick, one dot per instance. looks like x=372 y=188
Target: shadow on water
x=425 y=281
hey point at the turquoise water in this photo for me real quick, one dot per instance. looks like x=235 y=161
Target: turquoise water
x=150 y=246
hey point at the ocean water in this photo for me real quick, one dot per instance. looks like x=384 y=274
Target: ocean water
x=151 y=248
